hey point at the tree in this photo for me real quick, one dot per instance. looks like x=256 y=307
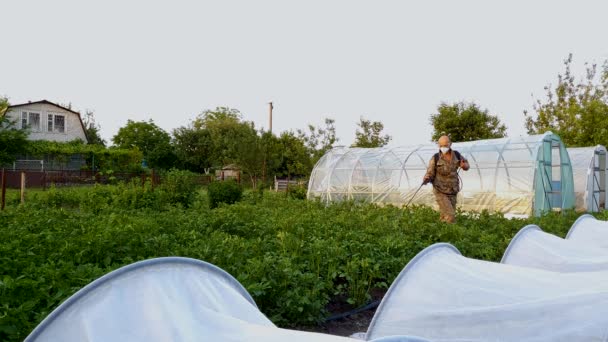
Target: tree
x=295 y=161
x=576 y=110
x=12 y=139
x=250 y=153
x=92 y=129
x=319 y=140
x=193 y=148
x=369 y=134
x=151 y=140
x=3 y=105
x=466 y=122
x=225 y=127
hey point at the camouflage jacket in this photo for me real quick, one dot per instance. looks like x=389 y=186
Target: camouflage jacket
x=445 y=176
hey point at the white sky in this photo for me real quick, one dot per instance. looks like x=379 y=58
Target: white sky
x=392 y=61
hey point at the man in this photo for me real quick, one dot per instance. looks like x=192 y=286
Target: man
x=443 y=173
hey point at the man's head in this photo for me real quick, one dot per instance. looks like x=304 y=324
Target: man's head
x=444 y=143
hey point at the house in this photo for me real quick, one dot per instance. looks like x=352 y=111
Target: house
x=48 y=121
x=230 y=171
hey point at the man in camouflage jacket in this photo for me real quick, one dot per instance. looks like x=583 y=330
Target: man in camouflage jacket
x=443 y=173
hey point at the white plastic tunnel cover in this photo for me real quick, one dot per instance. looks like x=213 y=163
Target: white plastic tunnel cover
x=589 y=231
x=531 y=247
x=165 y=299
x=443 y=296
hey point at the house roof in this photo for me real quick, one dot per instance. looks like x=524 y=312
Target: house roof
x=52 y=104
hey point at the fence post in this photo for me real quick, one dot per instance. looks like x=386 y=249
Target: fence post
x=3 y=200
x=22 y=187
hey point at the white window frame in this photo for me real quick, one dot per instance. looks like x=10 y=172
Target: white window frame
x=53 y=128
x=25 y=116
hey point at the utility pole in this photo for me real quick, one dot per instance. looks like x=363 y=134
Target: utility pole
x=270 y=107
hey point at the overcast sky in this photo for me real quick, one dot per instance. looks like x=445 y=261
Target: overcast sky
x=392 y=61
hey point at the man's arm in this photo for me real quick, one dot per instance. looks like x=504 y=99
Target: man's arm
x=430 y=171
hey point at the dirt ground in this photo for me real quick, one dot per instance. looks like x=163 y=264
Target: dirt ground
x=356 y=323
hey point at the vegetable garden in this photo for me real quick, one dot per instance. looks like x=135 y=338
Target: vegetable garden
x=295 y=257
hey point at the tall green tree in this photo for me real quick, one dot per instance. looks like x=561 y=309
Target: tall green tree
x=13 y=140
x=226 y=128
x=319 y=140
x=193 y=148
x=466 y=122
x=151 y=140
x=250 y=153
x=575 y=109
x=369 y=134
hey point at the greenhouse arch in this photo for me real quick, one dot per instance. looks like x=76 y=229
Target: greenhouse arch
x=523 y=176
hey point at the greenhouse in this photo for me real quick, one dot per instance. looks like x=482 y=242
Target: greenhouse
x=524 y=176
x=589 y=170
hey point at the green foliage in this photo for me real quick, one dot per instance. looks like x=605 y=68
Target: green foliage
x=220 y=137
x=92 y=129
x=151 y=140
x=297 y=192
x=13 y=140
x=369 y=134
x=193 y=147
x=180 y=186
x=294 y=257
x=3 y=105
x=225 y=129
x=466 y=122
x=292 y=157
x=128 y=160
x=319 y=140
x=577 y=110
x=228 y=192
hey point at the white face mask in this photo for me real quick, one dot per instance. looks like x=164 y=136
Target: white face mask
x=444 y=150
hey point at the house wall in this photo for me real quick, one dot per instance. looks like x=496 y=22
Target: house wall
x=73 y=127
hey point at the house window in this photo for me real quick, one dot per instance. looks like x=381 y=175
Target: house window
x=30 y=120
x=59 y=124
x=49 y=123
x=55 y=123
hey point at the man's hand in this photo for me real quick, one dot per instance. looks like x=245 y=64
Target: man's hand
x=464 y=164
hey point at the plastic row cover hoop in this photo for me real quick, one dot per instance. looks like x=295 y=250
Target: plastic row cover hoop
x=531 y=247
x=379 y=315
x=512 y=245
x=445 y=296
x=590 y=231
x=126 y=270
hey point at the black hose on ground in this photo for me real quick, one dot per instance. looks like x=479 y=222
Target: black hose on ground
x=366 y=307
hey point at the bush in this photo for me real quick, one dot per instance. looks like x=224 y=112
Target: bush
x=180 y=186
x=228 y=192
x=297 y=192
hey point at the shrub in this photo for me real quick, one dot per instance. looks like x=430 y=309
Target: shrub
x=228 y=192
x=180 y=186
x=297 y=192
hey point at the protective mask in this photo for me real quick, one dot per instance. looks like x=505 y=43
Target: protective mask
x=444 y=150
